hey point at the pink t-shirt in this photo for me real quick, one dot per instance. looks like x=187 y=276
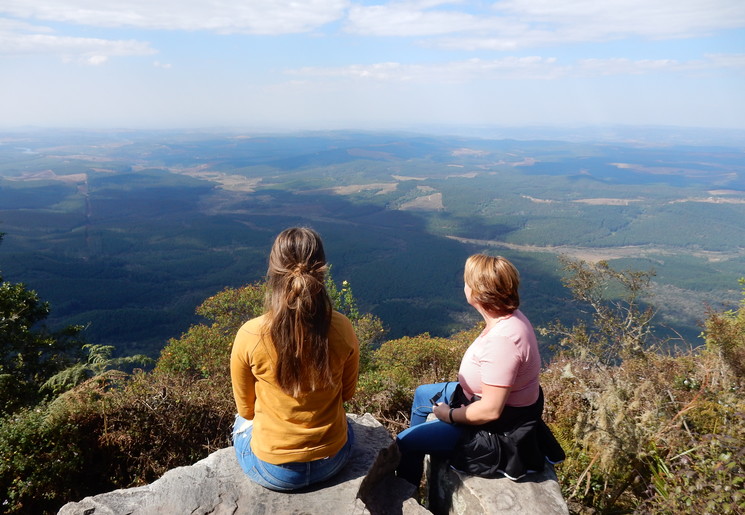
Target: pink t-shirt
x=505 y=356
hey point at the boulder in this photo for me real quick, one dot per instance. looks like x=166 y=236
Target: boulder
x=453 y=492
x=367 y=485
x=217 y=485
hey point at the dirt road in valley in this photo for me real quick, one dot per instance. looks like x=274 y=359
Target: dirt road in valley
x=595 y=254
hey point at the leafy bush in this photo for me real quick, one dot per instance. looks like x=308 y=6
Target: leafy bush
x=368 y=328
x=725 y=336
x=113 y=431
x=387 y=387
x=29 y=353
x=620 y=325
x=654 y=433
x=43 y=462
x=97 y=362
x=708 y=477
x=205 y=350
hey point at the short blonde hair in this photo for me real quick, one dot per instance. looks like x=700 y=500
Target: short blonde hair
x=494 y=283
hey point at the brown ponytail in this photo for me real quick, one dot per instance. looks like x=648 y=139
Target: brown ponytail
x=298 y=311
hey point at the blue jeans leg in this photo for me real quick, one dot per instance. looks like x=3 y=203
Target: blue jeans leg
x=434 y=437
x=287 y=476
x=421 y=407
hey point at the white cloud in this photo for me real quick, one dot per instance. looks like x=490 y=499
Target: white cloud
x=618 y=66
x=453 y=72
x=414 y=19
x=224 y=16
x=651 y=18
x=727 y=60
x=511 y=24
x=96 y=60
x=8 y=25
x=18 y=38
x=514 y=68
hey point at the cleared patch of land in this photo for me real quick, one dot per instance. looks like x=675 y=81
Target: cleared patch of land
x=49 y=175
x=606 y=201
x=226 y=181
x=469 y=175
x=428 y=203
x=408 y=178
x=726 y=192
x=469 y=152
x=382 y=187
x=710 y=200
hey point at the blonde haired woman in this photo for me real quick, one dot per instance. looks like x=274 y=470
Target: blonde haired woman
x=291 y=369
x=489 y=421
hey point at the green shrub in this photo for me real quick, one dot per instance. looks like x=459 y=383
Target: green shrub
x=113 y=431
x=29 y=353
x=725 y=336
x=387 y=387
x=654 y=433
x=49 y=458
x=708 y=477
x=205 y=350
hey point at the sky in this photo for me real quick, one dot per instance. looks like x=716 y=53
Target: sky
x=360 y=64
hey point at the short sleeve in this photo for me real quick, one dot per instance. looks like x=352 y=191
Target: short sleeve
x=499 y=362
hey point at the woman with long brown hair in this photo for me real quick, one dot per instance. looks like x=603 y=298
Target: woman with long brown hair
x=291 y=369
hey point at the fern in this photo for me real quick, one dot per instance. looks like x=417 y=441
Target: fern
x=98 y=362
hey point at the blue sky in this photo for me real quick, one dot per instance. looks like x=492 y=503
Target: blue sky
x=335 y=64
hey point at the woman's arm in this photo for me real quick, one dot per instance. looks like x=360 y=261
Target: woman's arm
x=351 y=373
x=488 y=409
x=351 y=366
x=242 y=379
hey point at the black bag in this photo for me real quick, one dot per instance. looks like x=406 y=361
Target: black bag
x=478 y=453
x=513 y=445
x=459 y=398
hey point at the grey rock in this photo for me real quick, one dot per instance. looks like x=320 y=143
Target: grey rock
x=366 y=486
x=217 y=485
x=453 y=492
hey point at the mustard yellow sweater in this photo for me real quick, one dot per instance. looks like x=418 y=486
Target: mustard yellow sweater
x=287 y=429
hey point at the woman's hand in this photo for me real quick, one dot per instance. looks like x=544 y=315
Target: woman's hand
x=442 y=411
x=486 y=409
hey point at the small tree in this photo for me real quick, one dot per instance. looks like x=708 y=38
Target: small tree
x=204 y=350
x=621 y=325
x=368 y=328
x=602 y=404
x=29 y=353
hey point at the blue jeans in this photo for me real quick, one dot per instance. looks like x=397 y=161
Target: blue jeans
x=287 y=476
x=434 y=437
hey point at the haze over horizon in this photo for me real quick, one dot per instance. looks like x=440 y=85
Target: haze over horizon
x=335 y=64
